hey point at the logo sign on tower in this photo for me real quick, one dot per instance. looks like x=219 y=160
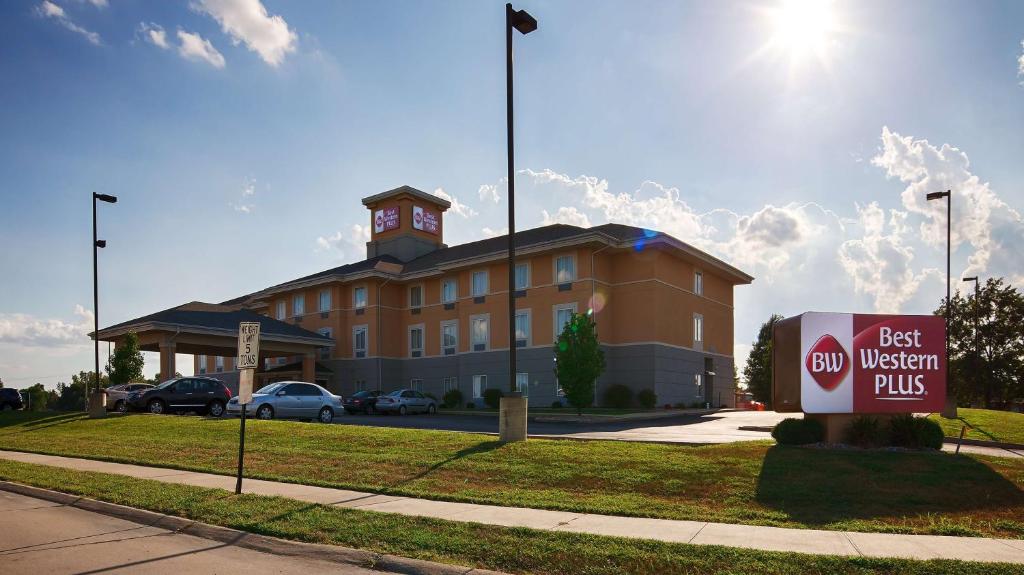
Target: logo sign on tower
x=385 y=219
x=425 y=220
x=859 y=363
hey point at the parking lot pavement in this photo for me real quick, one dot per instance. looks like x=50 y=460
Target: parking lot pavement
x=45 y=537
x=719 y=427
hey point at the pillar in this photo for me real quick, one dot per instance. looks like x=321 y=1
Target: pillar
x=167 y=367
x=309 y=367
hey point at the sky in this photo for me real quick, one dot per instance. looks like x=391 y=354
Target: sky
x=795 y=140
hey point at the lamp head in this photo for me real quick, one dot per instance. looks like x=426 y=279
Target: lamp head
x=971 y=279
x=101 y=243
x=105 y=198
x=937 y=195
x=521 y=20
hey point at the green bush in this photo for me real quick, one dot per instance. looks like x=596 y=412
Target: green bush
x=452 y=398
x=618 y=396
x=915 y=432
x=470 y=405
x=556 y=404
x=492 y=397
x=697 y=405
x=794 y=431
x=646 y=398
x=867 y=431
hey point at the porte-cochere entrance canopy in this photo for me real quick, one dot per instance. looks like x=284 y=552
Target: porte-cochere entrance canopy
x=211 y=329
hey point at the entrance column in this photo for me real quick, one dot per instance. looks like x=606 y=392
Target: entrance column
x=167 y=351
x=309 y=367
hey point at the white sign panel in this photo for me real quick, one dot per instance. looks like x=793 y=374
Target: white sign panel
x=248 y=345
x=245 y=386
x=832 y=334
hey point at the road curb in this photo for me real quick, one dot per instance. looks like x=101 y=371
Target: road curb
x=247 y=540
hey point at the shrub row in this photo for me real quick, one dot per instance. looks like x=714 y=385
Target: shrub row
x=866 y=431
x=621 y=397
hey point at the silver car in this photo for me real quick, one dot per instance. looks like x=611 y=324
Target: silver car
x=116 y=395
x=404 y=401
x=290 y=399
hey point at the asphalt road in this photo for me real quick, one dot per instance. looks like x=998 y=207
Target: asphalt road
x=39 y=536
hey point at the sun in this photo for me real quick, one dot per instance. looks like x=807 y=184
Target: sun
x=802 y=29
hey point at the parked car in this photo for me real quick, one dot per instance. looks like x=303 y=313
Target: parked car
x=404 y=401
x=117 y=394
x=291 y=399
x=204 y=395
x=10 y=399
x=364 y=401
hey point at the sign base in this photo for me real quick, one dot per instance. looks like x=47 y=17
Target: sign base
x=512 y=419
x=836 y=424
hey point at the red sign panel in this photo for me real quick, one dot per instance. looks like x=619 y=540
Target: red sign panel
x=385 y=219
x=424 y=219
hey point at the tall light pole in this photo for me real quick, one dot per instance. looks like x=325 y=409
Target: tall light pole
x=522 y=21
x=96 y=245
x=977 y=346
x=950 y=410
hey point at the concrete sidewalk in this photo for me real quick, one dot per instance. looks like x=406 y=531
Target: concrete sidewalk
x=843 y=543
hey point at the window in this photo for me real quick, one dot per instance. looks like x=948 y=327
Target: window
x=522 y=276
x=698 y=379
x=449 y=337
x=479 y=283
x=698 y=328
x=282 y=360
x=698 y=283
x=450 y=383
x=360 y=385
x=325 y=301
x=202 y=364
x=325 y=352
x=523 y=383
x=416 y=384
x=281 y=314
x=416 y=296
x=479 y=385
x=359 y=341
x=480 y=328
x=219 y=363
x=449 y=290
x=565 y=269
x=522 y=328
x=563 y=314
x=416 y=341
x=299 y=304
x=359 y=297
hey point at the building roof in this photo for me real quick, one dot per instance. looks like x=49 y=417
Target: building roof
x=436 y=200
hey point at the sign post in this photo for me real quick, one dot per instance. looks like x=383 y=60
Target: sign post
x=248 y=358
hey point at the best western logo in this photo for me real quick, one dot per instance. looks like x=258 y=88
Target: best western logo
x=904 y=379
x=827 y=362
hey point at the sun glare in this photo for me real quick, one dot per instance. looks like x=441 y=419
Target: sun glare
x=803 y=28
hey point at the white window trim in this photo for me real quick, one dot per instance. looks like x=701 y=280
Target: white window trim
x=519 y=387
x=472 y=332
x=355 y=300
x=423 y=339
x=698 y=282
x=555 y=328
x=528 y=312
x=483 y=385
x=529 y=273
x=281 y=313
x=218 y=364
x=554 y=268
x=455 y=324
x=202 y=364
x=487 y=282
x=698 y=344
x=455 y=295
x=320 y=300
x=416 y=384
x=297 y=298
x=325 y=352
x=356 y=329
x=423 y=296
x=449 y=383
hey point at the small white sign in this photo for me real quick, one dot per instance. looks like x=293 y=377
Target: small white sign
x=248 y=345
x=245 y=386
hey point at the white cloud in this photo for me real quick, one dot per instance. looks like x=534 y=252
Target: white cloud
x=566 y=215
x=980 y=218
x=247 y=21
x=489 y=192
x=247 y=192
x=29 y=331
x=198 y=49
x=457 y=207
x=1020 y=60
x=346 y=246
x=50 y=10
x=492 y=233
x=154 y=34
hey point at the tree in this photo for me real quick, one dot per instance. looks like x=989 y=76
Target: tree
x=758 y=371
x=1 y=383
x=125 y=366
x=71 y=396
x=579 y=360
x=38 y=397
x=987 y=370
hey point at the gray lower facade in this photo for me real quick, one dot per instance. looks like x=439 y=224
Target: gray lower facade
x=671 y=372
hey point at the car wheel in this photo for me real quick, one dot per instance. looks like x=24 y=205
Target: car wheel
x=431 y=409
x=121 y=406
x=401 y=410
x=157 y=406
x=216 y=408
x=265 y=412
x=326 y=415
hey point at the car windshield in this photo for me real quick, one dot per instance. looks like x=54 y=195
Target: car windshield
x=396 y=393
x=268 y=389
x=166 y=383
x=362 y=394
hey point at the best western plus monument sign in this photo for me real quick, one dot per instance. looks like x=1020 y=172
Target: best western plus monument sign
x=835 y=366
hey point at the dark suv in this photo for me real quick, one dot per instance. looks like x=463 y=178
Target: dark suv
x=204 y=395
x=10 y=399
x=364 y=401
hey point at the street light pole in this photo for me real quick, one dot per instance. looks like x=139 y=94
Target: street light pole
x=96 y=245
x=950 y=410
x=977 y=347
x=524 y=23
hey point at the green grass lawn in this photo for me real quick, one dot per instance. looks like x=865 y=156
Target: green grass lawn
x=753 y=483
x=986 y=424
x=516 y=550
